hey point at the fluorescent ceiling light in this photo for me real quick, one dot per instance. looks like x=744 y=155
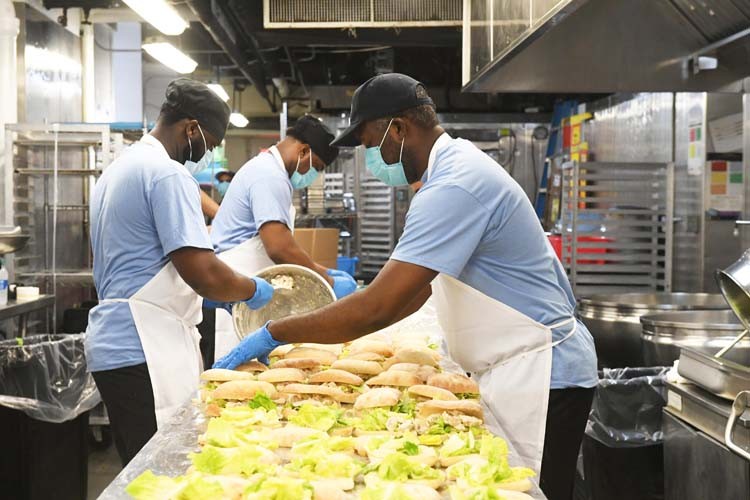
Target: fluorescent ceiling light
x=170 y=56
x=238 y=120
x=160 y=15
x=219 y=91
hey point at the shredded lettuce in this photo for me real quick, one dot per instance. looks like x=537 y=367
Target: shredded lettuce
x=373 y=420
x=149 y=486
x=439 y=427
x=245 y=416
x=406 y=406
x=245 y=461
x=261 y=400
x=224 y=434
x=277 y=488
x=431 y=439
x=483 y=473
x=316 y=445
x=312 y=466
x=410 y=449
x=322 y=418
x=400 y=467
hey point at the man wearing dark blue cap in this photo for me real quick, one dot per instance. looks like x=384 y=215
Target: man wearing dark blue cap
x=153 y=260
x=472 y=240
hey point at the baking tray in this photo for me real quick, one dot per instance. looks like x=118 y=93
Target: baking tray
x=721 y=376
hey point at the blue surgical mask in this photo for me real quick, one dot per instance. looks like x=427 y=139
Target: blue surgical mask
x=392 y=174
x=222 y=188
x=301 y=181
x=205 y=160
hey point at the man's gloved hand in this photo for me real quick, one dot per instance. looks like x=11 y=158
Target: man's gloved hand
x=263 y=295
x=343 y=283
x=256 y=345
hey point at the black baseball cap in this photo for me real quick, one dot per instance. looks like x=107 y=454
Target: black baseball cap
x=195 y=100
x=314 y=133
x=379 y=97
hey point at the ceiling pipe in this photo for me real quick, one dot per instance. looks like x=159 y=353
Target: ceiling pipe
x=202 y=9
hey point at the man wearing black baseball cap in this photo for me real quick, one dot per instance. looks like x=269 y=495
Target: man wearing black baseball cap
x=153 y=263
x=253 y=228
x=472 y=240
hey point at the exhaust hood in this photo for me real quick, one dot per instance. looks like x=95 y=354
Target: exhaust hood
x=603 y=46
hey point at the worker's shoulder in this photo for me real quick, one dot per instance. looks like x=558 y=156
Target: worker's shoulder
x=261 y=168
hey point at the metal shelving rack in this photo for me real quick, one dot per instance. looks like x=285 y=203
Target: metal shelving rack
x=52 y=171
x=617 y=226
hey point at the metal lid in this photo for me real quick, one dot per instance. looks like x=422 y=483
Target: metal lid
x=658 y=300
x=309 y=291
x=694 y=320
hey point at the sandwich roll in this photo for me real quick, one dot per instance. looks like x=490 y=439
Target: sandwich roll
x=337 y=376
x=223 y=375
x=429 y=392
x=281 y=351
x=276 y=375
x=252 y=366
x=416 y=355
x=436 y=407
x=371 y=345
x=454 y=382
x=378 y=398
x=366 y=356
x=323 y=356
x=357 y=366
x=394 y=378
x=334 y=348
x=308 y=364
x=243 y=390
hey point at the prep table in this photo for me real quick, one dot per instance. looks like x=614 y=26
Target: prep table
x=167 y=453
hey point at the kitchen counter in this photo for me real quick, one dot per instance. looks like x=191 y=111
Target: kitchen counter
x=167 y=453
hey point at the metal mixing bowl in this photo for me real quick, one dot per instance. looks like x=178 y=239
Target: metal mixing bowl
x=309 y=292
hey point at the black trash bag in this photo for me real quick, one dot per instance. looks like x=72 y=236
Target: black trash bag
x=627 y=407
x=45 y=377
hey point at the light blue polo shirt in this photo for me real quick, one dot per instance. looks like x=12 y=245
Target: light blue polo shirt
x=473 y=222
x=260 y=192
x=144 y=206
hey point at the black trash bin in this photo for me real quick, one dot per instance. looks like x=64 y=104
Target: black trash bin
x=623 y=445
x=45 y=396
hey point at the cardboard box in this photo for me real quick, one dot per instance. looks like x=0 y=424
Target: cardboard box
x=321 y=244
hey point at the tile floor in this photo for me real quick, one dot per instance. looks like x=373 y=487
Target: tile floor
x=104 y=465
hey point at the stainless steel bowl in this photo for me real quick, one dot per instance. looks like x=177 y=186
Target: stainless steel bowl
x=614 y=320
x=734 y=282
x=706 y=331
x=10 y=243
x=309 y=292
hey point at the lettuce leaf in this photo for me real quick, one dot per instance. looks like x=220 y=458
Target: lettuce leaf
x=276 y=488
x=317 y=445
x=480 y=493
x=245 y=461
x=431 y=439
x=373 y=420
x=224 y=434
x=149 y=486
x=400 y=467
x=245 y=416
x=480 y=472
x=312 y=466
x=322 y=418
x=261 y=400
x=410 y=449
x=386 y=491
x=406 y=406
x=460 y=444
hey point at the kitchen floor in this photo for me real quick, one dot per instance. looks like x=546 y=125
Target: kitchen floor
x=104 y=465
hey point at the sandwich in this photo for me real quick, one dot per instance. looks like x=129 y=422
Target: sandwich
x=394 y=378
x=280 y=377
x=397 y=491
x=299 y=393
x=281 y=351
x=433 y=416
x=334 y=348
x=242 y=390
x=402 y=468
x=377 y=447
x=252 y=366
x=321 y=355
x=366 y=356
x=460 y=385
x=371 y=345
x=424 y=372
x=287 y=436
x=306 y=364
x=416 y=355
x=430 y=392
x=223 y=375
x=478 y=471
x=378 y=398
x=358 y=367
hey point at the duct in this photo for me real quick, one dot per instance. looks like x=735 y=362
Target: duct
x=9 y=26
x=253 y=73
x=604 y=46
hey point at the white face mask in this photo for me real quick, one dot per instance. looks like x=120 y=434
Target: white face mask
x=205 y=160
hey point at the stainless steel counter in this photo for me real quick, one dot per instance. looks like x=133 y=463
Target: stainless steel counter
x=166 y=453
x=20 y=309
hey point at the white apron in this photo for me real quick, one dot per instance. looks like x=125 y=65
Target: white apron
x=165 y=311
x=247 y=258
x=510 y=357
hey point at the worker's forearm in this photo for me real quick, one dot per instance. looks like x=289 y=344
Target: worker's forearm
x=208 y=206
x=209 y=277
x=342 y=321
x=415 y=304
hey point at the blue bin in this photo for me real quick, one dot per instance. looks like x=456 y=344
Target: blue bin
x=348 y=264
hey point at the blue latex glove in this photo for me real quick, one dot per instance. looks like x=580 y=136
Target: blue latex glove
x=256 y=345
x=263 y=295
x=343 y=283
